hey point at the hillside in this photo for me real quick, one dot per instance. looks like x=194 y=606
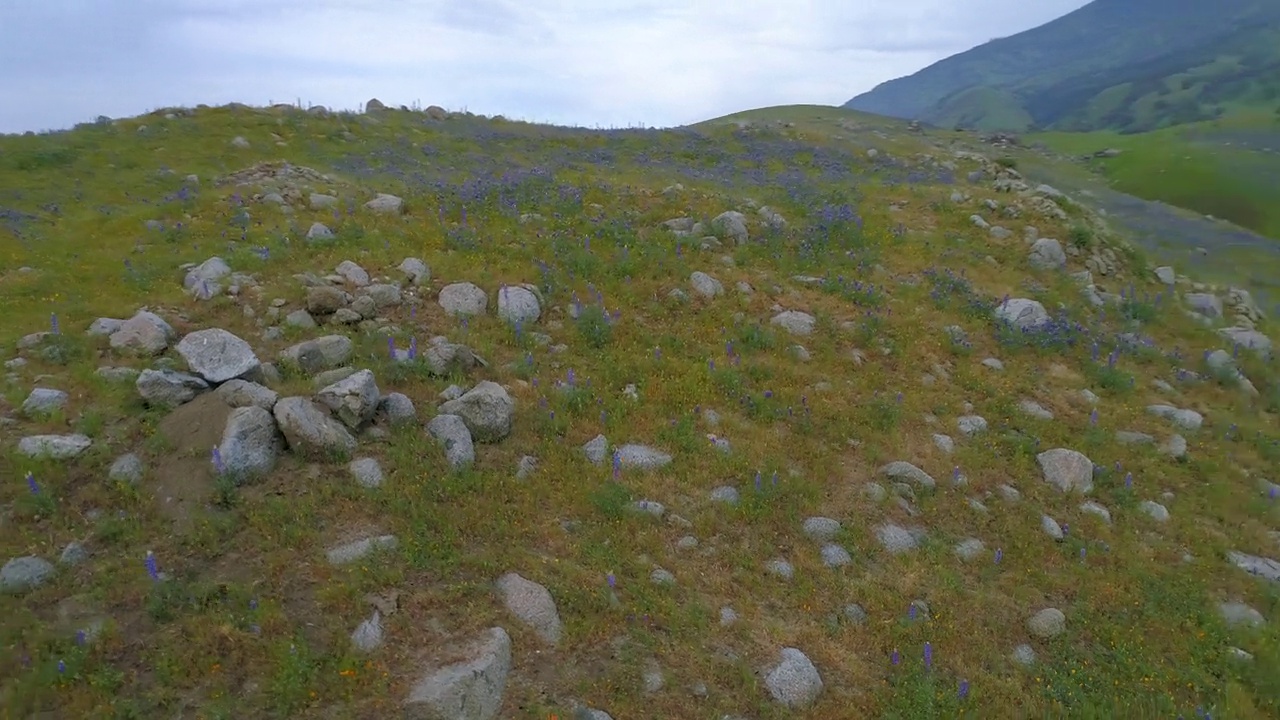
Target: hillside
x=1122 y=65
x=790 y=414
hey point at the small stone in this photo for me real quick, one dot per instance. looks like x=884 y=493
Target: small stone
x=1047 y=623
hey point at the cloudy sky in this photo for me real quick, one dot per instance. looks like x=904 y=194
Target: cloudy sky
x=581 y=62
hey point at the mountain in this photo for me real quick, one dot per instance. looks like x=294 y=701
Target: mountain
x=1126 y=65
x=329 y=415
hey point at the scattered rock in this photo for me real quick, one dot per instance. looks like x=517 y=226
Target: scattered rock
x=794 y=681
x=532 y=604
x=1047 y=623
x=468 y=685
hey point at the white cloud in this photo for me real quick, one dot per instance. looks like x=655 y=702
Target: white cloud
x=588 y=62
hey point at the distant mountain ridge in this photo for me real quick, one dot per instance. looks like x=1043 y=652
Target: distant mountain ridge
x=1127 y=65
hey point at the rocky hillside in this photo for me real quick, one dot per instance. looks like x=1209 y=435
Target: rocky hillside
x=422 y=414
x=1125 y=65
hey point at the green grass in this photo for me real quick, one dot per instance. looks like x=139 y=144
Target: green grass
x=250 y=621
x=1197 y=167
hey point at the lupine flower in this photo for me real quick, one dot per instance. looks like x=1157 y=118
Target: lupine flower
x=617 y=464
x=31 y=484
x=152 y=569
x=928 y=656
x=218 y=465
x=413 y=348
x=391 y=347
x=895 y=658
x=757 y=480
x=963 y=692
x=999 y=555
x=62 y=667
x=1128 y=481
x=53 y=323
x=613 y=581
x=81 y=637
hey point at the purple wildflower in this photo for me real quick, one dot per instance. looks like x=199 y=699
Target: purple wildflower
x=928 y=656
x=963 y=692
x=218 y=466
x=31 y=483
x=999 y=555
x=894 y=657
x=152 y=568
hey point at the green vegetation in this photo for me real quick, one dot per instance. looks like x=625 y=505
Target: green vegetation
x=201 y=598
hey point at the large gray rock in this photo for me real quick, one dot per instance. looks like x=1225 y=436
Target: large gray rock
x=452 y=433
x=54 y=447
x=445 y=358
x=397 y=409
x=209 y=271
x=1022 y=313
x=354 y=399
x=487 y=410
x=902 y=470
x=143 y=334
x=467 y=683
x=415 y=271
x=1047 y=623
x=795 y=322
x=383 y=295
x=1249 y=339
x=242 y=393
x=326 y=299
x=251 y=444
x=319 y=232
x=705 y=285
x=168 y=388
x=1255 y=565
x=532 y=604
x=518 y=304
x=309 y=429
x=641 y=457
x=350 y=552
x=127 y=468
x=895 y=538
x=1206 y=304
x=1068 y=470
x=23 y=574
x=1185 y=419
x=794 y=681
x=385 y=204
x=1047 y=254
x=43 y=401
x=732 y=224
x=353 y=273
x=366 y=471
x=463 y=299
x=322 y=353
x=217 y=355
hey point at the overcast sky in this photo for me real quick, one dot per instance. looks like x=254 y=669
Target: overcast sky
x=580 y=62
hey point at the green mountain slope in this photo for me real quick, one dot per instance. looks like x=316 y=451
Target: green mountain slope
x=779 y=416
x=1126 y=65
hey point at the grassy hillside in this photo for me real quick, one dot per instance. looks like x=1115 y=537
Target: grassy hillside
x=1228 y=169
x=857 y=327
x=1123 y=65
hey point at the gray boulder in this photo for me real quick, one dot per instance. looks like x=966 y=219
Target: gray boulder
x=322 y=353
x=452 y=433
x=641 y=457
x=353 y=273
x=463 y=299
x=532 y=604
x=43 y=401
x=354 y=399
x=794 y=681
x=518 y=304
x=487 y=410
x=168 y=388
x=415 y=271
x=1047 y=623
x=398 y=409
x=242 y=393
x=54 y=447
x=127 y=468
x=732 y=224
x=1047 y=254
x=251 y=444
x=143 y=334
x=795 y=322
x=1022 y=313
x=385 y=204
x=705 y=285
x=467 y=683
x=902 y=470
x=309 y=429
x=217 y=355
x=1067 y=470
x=23 y=574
